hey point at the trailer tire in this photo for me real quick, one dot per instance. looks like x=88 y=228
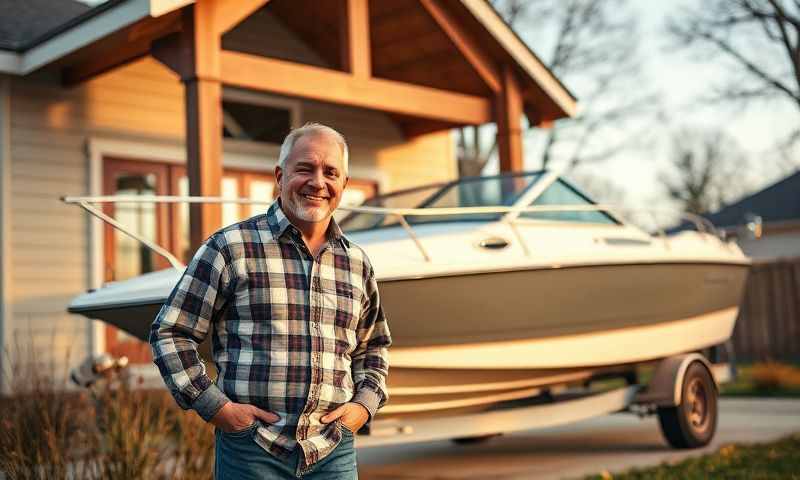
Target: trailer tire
x=693 y=422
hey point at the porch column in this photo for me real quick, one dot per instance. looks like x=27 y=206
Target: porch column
x=508 y=116
x=203 y=93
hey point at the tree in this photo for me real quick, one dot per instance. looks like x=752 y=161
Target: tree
x=758 y=39
x=591 y=46
x=708 y=170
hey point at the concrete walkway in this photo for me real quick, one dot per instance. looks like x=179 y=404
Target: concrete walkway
x=613 y=443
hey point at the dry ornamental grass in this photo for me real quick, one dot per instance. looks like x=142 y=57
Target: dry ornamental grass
x=113 y=430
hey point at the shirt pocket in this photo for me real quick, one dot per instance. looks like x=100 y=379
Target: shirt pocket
x=342 y=308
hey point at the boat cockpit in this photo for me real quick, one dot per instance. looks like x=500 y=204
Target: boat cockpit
x=520 y=190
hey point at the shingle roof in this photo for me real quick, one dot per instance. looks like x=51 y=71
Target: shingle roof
x=776 y=203
x=24 y=21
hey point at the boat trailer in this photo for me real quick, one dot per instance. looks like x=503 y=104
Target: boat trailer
x=682 y=391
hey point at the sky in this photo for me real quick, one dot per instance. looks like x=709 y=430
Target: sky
x=680 y=81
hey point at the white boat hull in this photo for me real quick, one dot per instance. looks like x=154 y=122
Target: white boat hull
x=503 y=307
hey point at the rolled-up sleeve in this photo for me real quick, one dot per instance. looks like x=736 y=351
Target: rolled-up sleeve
x=371 y=358
x=183 y=323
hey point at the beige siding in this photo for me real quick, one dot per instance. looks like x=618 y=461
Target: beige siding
x=425 y=159
x=140 y=102
x=49 y=131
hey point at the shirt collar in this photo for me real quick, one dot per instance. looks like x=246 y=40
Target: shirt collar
x=279 y=224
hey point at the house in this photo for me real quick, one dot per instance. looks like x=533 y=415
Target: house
x=765 y=224
x=146 y=97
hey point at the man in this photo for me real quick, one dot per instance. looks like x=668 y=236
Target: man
x=299 y=336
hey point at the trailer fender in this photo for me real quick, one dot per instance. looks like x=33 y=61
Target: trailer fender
x=666 y=386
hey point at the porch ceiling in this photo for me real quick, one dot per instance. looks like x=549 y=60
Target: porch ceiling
x=406 y=44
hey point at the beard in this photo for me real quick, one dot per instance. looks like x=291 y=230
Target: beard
x=308 y=213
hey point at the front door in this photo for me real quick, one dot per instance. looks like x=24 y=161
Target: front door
x=124 y=256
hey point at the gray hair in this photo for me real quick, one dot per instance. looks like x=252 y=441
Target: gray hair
x=313 y=128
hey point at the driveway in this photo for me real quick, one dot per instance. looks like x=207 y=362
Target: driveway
x=613 y=443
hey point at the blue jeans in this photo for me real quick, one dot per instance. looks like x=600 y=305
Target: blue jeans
x=239 y=457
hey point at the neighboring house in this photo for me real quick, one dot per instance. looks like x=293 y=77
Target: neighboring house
x=175 y=96
x=766 y=224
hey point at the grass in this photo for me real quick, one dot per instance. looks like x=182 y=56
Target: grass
x=775 y=460
x=111 y=431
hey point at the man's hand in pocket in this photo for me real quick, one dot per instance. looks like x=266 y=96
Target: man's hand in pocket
x=233 y=417
x=353 y=416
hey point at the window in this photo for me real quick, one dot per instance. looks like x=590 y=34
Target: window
x=560 y=193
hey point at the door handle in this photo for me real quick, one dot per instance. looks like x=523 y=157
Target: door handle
x=494 y=243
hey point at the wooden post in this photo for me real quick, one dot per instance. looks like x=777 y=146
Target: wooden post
x=355 y=50
x=203 y=93
x=508 y=116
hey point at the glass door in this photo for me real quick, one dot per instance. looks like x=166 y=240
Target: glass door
x=125 y=257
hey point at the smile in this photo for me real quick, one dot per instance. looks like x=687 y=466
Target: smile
x=314 y=198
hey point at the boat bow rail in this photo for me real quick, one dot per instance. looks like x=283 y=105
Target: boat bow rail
x=511 y=217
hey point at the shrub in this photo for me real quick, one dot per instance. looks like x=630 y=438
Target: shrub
x=772 y=376
x=113 y=430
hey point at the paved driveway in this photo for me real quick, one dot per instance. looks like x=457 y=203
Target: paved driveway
x=613 y=443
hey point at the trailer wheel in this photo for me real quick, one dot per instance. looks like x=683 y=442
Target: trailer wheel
x=693 y=422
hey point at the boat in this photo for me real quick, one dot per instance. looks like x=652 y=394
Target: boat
x=503 y=288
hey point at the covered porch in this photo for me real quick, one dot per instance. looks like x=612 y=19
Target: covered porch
x=430 y=65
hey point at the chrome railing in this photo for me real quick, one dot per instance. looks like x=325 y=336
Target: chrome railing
x=702 y=225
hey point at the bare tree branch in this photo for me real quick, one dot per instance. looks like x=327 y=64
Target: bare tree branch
x=591 y=46
x=756 y=35
x=706 y=170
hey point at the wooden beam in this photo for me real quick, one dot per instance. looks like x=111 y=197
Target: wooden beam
x=469 y=48
x=229 y=13
x=200 y=48
x=412 y=130
x=305 y=81
x=539 y=109
x=355 y=44
x=509 y=123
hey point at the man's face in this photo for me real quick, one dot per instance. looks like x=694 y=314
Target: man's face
x=313 y=178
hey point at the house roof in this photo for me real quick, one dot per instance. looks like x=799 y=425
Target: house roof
x=779 y=202
x=37 y=33
x=23 y=22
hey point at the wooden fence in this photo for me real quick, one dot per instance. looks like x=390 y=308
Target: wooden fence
x=768 y=327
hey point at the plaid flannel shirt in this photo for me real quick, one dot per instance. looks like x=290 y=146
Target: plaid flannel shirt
x=287 y=343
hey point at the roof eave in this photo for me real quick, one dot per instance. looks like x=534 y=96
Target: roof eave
x=85 y=31
x=10 y=62
x=523 y=56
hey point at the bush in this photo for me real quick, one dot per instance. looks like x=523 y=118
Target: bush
x=772 y=376
x=110 y=431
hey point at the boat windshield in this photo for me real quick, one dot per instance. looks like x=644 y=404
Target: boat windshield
x=500 y=190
